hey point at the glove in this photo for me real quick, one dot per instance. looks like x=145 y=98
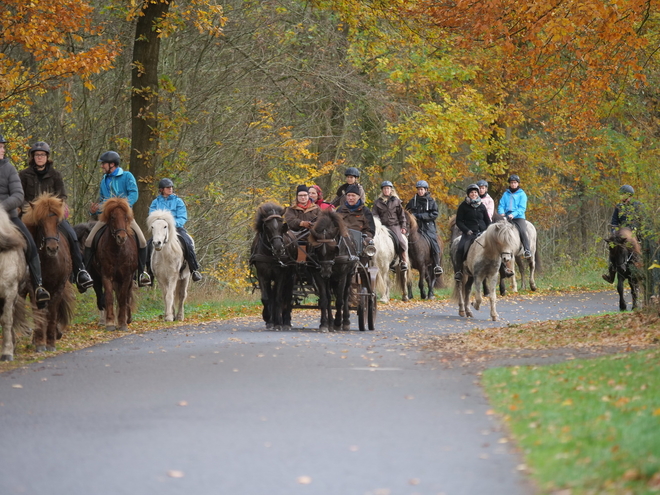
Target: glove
x=469 y=232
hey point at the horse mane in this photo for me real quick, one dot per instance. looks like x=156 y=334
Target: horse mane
x=264 y=211
x=164 y=215
x=500 y=237
x=112 y=204
x=11 y=237
x=626 y=237
x=329 y=220
x=45 y=204
x=412 y=222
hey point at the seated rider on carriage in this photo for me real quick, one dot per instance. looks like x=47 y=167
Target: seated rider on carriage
x=389 y=210
x=627 y=214
x=300 y=217
x=472 y=219
x=425 y=210
x=41 y=177
x=513 y=206
x=357 y=216
x=11 y=200
x=169 y=201
x=118 y=183
x=316 y=195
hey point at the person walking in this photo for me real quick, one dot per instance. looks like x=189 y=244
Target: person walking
x=41 y=177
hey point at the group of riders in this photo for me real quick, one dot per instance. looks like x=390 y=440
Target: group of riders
x=18 y=189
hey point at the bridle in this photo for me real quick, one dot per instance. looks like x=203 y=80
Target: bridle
x=45 y=239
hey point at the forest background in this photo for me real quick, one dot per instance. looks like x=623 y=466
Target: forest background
x=240 y=101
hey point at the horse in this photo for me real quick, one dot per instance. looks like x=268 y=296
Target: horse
x=42 y=219
x=168 y=263
x=385 y=256
x=496 y=246
x=115 y=263
x=273 y=254
x=13 y=279
x=332 y=258
x=533 y=263
x=421 y=259
x=626 y=257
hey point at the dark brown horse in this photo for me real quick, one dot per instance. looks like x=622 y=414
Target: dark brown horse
x=332 y=258
x=273 y=255
x=421 y=259
x=116 y=260
x=43 y=220
x=626 y=257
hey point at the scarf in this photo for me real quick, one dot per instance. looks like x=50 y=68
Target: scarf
x=355 y=207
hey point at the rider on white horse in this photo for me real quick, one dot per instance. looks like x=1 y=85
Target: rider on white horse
x=169 y=201
x=513 y=206
x=472 y=219
x=389 y=210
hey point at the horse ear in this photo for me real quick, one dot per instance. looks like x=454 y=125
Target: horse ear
x=285 y=227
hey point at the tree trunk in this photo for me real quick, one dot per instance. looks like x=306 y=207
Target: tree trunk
x=144 y=103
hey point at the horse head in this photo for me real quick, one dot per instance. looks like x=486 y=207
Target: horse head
x=45 y=214
x=269 y=222
x=324 y=239
x=117 y=214
x=503 y=237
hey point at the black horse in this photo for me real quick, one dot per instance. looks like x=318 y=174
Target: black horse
x=625 y=257
x=273 y=255
x=332 y=259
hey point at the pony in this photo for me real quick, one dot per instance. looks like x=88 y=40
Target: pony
x=43 y=219
x=626 y=256
x=13 y=280
x=496 y=246
x=332 y=259
x=421 y=259
x=168 y=263
x=115 y=263
x=533 y=263
x=273 y=254
x=385 y=256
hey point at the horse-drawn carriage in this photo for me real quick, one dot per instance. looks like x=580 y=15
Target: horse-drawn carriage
x=332 y=266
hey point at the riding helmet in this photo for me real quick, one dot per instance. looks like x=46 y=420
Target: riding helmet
x=2 y=139
x=514 y=177
x=40 y=146
x=386 y=183
x=626 y=189
x=482 y=183
x=163 y=183
x=472 y=187
x=110 y=157
x=422 y=183
x=352 y=171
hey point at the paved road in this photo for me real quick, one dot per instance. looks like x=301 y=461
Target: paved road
x=229 y=408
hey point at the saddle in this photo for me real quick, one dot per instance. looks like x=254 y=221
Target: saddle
x=398 y=248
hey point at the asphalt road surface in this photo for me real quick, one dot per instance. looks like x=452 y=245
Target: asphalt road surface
x=230 y=408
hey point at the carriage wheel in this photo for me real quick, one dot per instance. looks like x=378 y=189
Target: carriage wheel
x=373 y=310
x=363 y=309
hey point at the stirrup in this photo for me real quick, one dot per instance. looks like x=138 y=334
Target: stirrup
x=527 y=254
x=84 y=281
x=42 y=297
x=144 y=280
x=196 y=276
x=458 y=276
x=437 y=270
x=404 y=266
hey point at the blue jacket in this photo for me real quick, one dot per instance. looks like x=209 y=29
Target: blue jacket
x=513 y=203
x=119 y=184
x=174 y=205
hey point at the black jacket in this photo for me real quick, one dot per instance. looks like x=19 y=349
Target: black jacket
x=425 y=210
x=472 y=219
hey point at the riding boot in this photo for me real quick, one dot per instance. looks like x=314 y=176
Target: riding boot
x=41 y=295
x=611 y=273
x=403 y=264
x=437 y=269
x=144 y=279
x=83 y=279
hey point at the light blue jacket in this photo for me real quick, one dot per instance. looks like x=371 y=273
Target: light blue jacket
x=119 y=184
x=174 y=205
x=513 y=203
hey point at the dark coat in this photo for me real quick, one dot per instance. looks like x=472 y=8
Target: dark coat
x=627 y=215
x=340 y=197
x=390 y=212
x=425 y=210
x=34 y=183
x=360 y=219
x=472 y=219
x=296 y=214
x=11 y=191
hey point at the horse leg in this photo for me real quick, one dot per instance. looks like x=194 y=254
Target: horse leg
x=40 y=330
x=168 y=289
x=422 y=281
x=7 y=323
x=467 y=289
x=493 y=298
x=619 y=288
x=109 y=305
x=634 y=291
x=532 y=271
x=346 y=310
x=409 y=288
x=430 y=281
x=265 y=288
x=181 y=295
x=477 y=292
x=123 y=304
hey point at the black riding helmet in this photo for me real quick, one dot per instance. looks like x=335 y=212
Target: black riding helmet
x=110 y=157
x=472 y=187
x=514 y=177
x=163 y=183
x=352 y=171
x=39 y=146
x=2 y=139
x=626 y=189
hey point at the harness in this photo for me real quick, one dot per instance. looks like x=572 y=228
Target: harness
x=45 y=239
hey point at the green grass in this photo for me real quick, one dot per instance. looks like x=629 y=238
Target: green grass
x=589 y=426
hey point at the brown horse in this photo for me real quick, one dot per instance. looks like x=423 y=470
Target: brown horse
x=116 y=260
x=421 y=259
x=42 y=220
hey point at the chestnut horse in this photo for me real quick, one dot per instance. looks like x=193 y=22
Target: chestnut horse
x=13 y=277
x=116 y=261
x=42 y=220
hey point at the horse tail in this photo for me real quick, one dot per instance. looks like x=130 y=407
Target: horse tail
x=537 y=260
x=402 y=280
x=381 y=281
x=21 y=325
x=456 y=293
x=65 y=311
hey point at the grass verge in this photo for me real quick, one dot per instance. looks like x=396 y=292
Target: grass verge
x=585 y=426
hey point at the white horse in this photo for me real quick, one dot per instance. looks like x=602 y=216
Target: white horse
x=168 y=263
x=385 y=255
x=13 y=272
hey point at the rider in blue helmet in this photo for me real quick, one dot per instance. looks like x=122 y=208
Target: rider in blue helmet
x=425 y=210
x=352 y=175
x=389 y=209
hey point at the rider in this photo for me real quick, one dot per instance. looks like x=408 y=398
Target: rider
x=389 y=210
x=626 y=214
x=425 y=210
x=41 y=177
x=472 y=219
x=117 y=182
x=513 y=205
x=169 y=201
x=487 y=201
x=316 y=195
x=300 y=218
x=357 y=216
x=352 y=175
x=11 y=199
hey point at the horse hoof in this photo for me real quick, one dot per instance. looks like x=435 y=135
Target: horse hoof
x=6 y=357
x=494 y=318
x=383 y=300
x=346 y=327
x=123 y=328
x=50 y=348
x=533 y=287
x=461 y=313
x=468 y=314
x=110 y=328
x=269 y=325
x=40 y=348
x=431 y=297
x=169 y=318
x=286 y=328
x=404 y=298
x=323 y=328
